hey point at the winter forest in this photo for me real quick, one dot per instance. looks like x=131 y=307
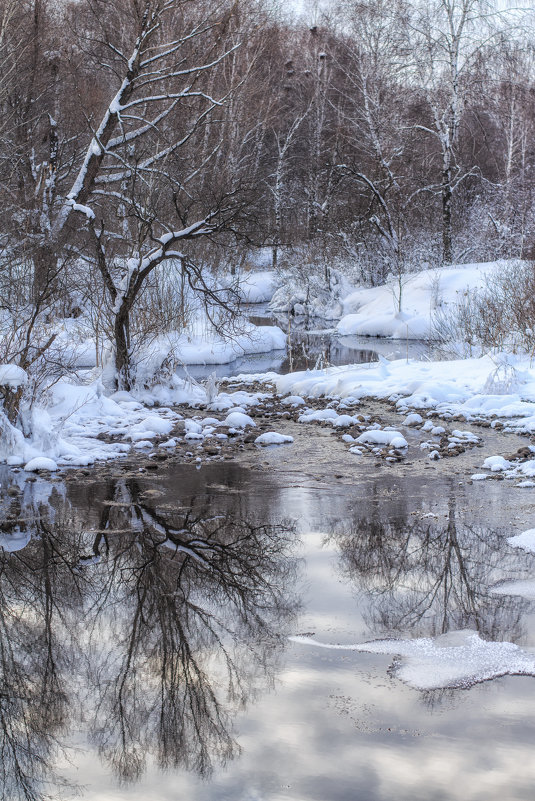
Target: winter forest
x=151 y=149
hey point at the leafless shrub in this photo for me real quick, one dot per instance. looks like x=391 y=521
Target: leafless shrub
x=499 y=316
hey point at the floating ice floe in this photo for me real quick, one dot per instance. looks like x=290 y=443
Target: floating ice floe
x=458 y=659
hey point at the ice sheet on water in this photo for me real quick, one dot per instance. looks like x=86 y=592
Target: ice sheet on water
x=458 y=659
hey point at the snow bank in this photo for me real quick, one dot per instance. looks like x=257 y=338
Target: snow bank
x=449 y=387
x=258 y=287
x=207 y=349
x=458 y=659
x=376 y=311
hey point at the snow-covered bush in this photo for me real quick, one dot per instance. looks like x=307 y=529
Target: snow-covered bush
x=310 y=287
x=500 y=315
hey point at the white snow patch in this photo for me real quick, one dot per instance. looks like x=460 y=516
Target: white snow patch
x=381 y=437
x=40 y=463
x=526 y=540
x=496 y=464
x=293 y=400
x=458 y=659
x=239 y=420
x=376 y=311
x=258 y=287
x=12 y=376
x=273 y=438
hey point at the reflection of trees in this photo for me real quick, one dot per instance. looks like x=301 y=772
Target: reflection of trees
x=168 y=616
x=427 y=577
x=38 y=591
x=184 y=593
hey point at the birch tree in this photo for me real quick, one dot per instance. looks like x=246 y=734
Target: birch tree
x=448 y=36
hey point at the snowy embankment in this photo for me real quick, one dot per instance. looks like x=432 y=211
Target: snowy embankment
x=82 y=426
x=75 y=345
x=381 y=312
x=259 y=286
x=501 y=386
x=208 y=349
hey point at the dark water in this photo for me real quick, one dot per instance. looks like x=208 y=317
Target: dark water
x=143 y=638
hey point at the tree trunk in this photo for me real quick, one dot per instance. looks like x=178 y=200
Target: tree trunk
x=123 y=377
x=44 y=268
x=447 y=236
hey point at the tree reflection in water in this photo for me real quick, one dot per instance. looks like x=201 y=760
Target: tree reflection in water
x=427 y=576
x=160 y=625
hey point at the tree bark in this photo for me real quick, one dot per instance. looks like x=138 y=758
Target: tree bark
x=447 y=234
x=123 y=377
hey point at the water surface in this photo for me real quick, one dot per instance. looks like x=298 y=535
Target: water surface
x=144 y=626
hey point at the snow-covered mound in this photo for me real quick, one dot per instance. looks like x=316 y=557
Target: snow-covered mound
x=12 y=376
x=311 y=294
x=258 y=287
x=378 y=311
x=208 y=348
x=500 y=385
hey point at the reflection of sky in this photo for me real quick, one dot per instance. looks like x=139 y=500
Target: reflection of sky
x=337 y=726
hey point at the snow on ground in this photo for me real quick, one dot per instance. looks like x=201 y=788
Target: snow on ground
x=209 y=348
x=501 y=386
x=82 y=425
x=525 y=588
x=458 y=659
x=384 y=437
x=526 y=540
x=273 y=438
x=378 y=312
x=259 y=286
